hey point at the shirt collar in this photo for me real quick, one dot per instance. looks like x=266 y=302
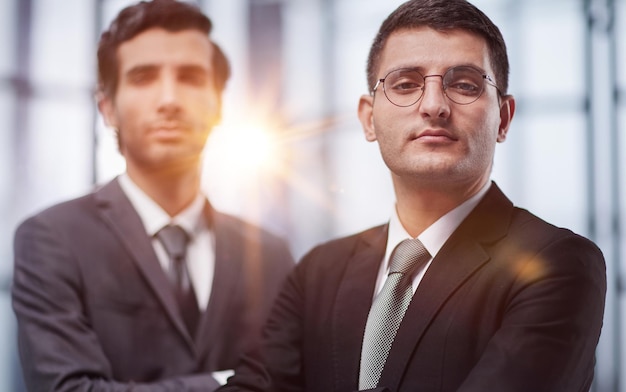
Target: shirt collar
x=154 y=218
x=435 y=236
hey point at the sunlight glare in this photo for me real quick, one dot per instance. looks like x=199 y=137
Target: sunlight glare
x=246 y=149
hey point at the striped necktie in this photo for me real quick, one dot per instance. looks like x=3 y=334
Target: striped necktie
x=388 y=310
x=174 y=240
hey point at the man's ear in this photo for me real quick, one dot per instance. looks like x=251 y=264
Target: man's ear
x=107 y=109
x=366 y=116
x=216 y=118
x=507 y=110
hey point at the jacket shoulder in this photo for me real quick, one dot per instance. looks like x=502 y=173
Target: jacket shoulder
x=246 y=230
x=532 y=229
x=61 y=213
x=342 y=247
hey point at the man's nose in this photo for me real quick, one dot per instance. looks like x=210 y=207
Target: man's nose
x=169 y=93
x=434 y=102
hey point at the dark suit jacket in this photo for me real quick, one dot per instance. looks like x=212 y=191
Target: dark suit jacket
x=510 y=303
x=96 y=313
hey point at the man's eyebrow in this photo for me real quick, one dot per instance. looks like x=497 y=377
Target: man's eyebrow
x=193 y=68
x=422 y=69
x=141 y=68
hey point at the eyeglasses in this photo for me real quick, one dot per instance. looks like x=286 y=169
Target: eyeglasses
x=462 y=85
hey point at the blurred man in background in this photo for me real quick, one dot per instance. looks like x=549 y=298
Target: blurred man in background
x=142 y=285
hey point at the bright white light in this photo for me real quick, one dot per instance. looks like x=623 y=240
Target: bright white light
x=243 y=151
x=242 y=162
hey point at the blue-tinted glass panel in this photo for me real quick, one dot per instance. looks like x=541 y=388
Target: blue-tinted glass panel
x=63 y=49
x=60 y=139
x=8 y=32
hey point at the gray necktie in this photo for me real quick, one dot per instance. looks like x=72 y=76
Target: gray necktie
x=388 y=310
x=174 y=240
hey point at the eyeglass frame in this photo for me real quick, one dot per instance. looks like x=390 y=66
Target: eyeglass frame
x=486 y=78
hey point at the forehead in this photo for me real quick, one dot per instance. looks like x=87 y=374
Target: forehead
x=160 y=47
x=433 y=51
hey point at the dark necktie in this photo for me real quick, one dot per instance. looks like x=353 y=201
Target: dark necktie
x=174 y=240
x=388 y=310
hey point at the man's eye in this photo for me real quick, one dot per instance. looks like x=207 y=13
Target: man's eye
x=140 y=78
x=406 y=85
x=193 y=77
x=464 y=88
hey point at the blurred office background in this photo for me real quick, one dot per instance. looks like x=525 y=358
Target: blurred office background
x=290 y=153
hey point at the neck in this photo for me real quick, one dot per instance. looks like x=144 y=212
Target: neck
x=172 y=190
x=419 y=206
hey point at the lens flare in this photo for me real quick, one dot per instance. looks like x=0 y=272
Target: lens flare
x=243 y=150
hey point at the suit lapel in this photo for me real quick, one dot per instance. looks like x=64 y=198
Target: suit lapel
x=119 y=214
x=461 y=256
x=448 y=271
x=353 y=302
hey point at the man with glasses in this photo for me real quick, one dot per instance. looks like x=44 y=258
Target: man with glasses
x=460 y=291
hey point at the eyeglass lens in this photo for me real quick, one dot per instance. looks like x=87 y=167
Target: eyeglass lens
x=463 y=85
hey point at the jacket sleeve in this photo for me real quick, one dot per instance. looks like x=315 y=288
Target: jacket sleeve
x=551 y=325
x=58 y=348
x=276 y=364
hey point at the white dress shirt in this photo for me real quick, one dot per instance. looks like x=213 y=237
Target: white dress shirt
x=201 y=247
x=433 y=238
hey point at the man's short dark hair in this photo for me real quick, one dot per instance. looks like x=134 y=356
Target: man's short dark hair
x=442 y=15
x=171 y=15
